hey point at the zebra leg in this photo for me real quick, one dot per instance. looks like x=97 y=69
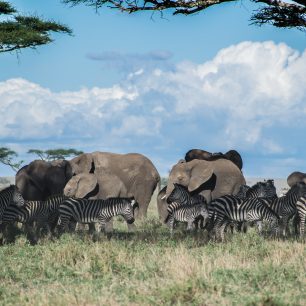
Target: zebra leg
x=217 y=229
x=284 y=226
x=31 y=233
x=302 y=225
x=190 y=225
x=63 y=224
x=295 y=222
x=170 y=224
x=221 y=230
x=259 y=226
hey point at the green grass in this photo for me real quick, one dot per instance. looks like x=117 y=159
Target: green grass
x=149 y=267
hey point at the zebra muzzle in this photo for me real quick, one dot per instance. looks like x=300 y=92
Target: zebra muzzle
x=130 y=221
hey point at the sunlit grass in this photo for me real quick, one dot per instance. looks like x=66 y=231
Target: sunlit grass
x=149 y=266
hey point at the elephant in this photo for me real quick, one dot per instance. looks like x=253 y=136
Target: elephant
x=231 y=155
x=41 y=179
x=162 y=204
x=296 y=177
x=100 y=175
x=212 y=179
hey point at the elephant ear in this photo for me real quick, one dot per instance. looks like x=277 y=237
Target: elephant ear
x=199 y=177
x=82 y=164
x=81 y=185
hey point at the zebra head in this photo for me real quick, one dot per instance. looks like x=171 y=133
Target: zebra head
x=179 y=194
x=272 y=218
x=264 y=189
x=128 y=209
x=17 y=198
x=299 y=189
x=242 y=193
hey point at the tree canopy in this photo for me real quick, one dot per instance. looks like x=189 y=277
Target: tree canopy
x=7 y=158
x=18 y=32
x=279 y=13
x=54 y=154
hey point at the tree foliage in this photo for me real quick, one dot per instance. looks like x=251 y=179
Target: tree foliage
x=18 y=32
x=7 y=158
x=54 y=154
x=279 y=13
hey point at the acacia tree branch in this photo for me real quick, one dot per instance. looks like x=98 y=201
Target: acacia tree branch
x=18 y=32
x=276 y=12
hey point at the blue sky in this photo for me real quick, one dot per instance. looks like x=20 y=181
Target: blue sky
x=127 y=83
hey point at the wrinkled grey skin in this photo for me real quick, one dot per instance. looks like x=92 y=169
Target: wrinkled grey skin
x=162 y=204
x=197 y=173
x=296 y=177
x=41 y=179
x=101 y=175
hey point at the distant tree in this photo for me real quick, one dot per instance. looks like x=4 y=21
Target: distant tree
x=54 y=154
x=279 y=13
x=6 y=157
x=18 y=32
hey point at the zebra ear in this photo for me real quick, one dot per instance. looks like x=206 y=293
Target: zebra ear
x=134 y=204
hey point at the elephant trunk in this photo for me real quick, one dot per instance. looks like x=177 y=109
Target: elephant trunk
x=170 y=187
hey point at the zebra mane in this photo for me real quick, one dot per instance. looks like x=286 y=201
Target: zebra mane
x=11 y=187
x=257 y=185
x=53 y=196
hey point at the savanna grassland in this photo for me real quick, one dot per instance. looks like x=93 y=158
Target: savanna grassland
x=148 y=267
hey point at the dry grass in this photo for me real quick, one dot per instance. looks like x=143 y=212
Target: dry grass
x=148 y=267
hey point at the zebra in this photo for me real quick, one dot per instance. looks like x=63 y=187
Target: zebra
x=230 y=208
x=264 y=190
x=43 y=213
x=180 y=196
x=286 y=206
x=301 y=216
x=10 y=196
x=95 y=211
x=187 y=213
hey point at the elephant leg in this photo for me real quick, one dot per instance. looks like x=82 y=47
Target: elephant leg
x=162 y=209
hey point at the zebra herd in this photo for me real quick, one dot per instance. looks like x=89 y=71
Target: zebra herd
x=250 y=205
x=60 y=212
x=258 y=204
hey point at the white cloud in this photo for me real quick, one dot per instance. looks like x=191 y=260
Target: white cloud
x=250 y=96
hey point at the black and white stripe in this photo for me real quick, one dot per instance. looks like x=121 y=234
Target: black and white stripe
x=228 y=209
x=264 y=190
x=95 y=211
x=10 y=196
x=286 y=206
x=180 y=196
x=301 y=215
x=44 y=213
x=187 y=213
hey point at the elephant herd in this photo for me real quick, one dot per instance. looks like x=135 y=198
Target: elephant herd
x=100 y=175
